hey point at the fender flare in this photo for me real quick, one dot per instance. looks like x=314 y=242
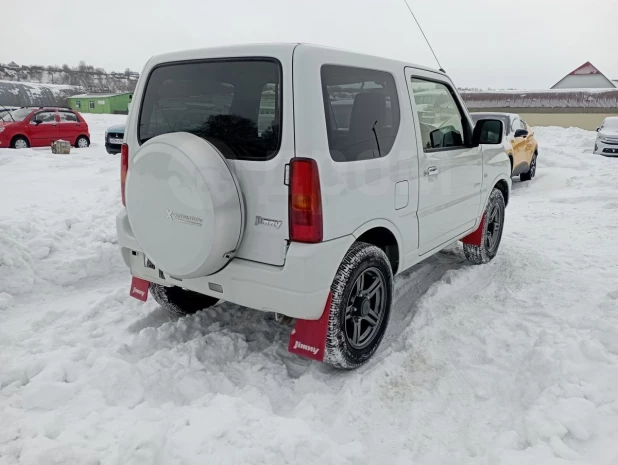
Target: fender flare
x=386 y=224
x=487 y=193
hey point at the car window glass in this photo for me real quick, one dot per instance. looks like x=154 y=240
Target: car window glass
x=68 y=117
x=440 y=119
x=17 y=115
x=234 y=104
x=516 y=125
x=361 y=107
x=46 y=117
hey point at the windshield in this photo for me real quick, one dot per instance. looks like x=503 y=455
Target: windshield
x=610 y=123
x=17 y=115
x=234 y=104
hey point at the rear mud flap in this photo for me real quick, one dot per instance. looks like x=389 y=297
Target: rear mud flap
x=308 y=338
x=139 y=289
x=475 y=238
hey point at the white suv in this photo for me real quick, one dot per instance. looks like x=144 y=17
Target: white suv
x=299 y=180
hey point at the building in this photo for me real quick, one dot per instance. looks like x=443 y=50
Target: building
x=26 y=94
x=101 y=103
x=583 y=108
x=587 y=76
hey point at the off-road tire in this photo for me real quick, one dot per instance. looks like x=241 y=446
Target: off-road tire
x=531 y=171
x=361 y=259
x=180 y=301
x=484 y=253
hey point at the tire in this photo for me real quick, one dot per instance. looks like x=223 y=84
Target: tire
x=20 y=142
x=180 y=301
x=484 y=253
x=531 y=171
x=366 y=267
x=82 y=142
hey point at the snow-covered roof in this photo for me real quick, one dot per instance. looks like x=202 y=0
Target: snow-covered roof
x=100 y=95
x=555 y=98
x=20 y=94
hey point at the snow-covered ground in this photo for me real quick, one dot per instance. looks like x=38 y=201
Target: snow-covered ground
x=514 y=362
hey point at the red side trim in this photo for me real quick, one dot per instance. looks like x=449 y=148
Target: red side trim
x=475 y=238
x=139 y=289
x=308 y=338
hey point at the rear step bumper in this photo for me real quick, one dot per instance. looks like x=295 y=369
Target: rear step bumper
x=298 y=289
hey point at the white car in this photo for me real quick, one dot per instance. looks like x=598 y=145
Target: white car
x=607 y=138
x=240 y=183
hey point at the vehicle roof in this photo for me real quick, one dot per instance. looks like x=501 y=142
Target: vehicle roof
x=611 y=118
x=494 y=113
x=264 y=49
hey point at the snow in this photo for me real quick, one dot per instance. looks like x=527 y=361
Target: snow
x=513 y=362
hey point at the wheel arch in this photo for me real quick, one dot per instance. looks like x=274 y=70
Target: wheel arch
x=23 y=136
x=83 y=135
x=384 y=235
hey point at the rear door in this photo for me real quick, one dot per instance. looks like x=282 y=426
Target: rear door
x=451 y=171
x=43 y=128
x=243 y=107
x=69 y=126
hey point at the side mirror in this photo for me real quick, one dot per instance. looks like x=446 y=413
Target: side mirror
x=598 y=129
x=487 y=131
x=521 y=133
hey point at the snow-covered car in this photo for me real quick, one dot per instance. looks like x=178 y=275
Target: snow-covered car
x=311 y=215
x=113 y=138
x=607 y=138
x=519 y=143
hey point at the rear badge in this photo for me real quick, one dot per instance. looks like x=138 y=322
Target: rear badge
x=267 y=222
x=181 y=218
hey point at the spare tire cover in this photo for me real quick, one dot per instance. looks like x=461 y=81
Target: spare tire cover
x=184 y=205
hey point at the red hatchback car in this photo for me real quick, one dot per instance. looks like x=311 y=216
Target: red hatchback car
x=40 y=126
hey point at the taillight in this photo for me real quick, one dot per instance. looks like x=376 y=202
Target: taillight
x=305 y=201
x=124 y=167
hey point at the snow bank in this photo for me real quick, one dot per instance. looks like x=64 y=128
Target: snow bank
x=514 y=362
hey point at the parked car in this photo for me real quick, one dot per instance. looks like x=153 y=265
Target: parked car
x=40 y=126
x=519 y=143
x=113 y=138
x=607 y=138
x=313 y=215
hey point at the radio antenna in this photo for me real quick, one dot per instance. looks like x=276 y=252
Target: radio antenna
x=423 y=32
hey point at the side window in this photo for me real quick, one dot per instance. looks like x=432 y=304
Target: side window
x=46 y=117
x=516 y=125
x=68 y=117
x=440 y=118
x=91 y=104
x=361 y=107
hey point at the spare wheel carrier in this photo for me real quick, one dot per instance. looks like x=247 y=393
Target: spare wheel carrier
x=184 y=205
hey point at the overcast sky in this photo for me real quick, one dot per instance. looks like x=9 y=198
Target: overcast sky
x=527 y=44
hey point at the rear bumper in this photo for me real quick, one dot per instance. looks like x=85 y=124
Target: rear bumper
x=298 y=289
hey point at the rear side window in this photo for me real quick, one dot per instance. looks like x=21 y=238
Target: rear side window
x=234 y=104
x=362 y=112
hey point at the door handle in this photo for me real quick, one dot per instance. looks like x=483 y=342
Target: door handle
x=431 y=171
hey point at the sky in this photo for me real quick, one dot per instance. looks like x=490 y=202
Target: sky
x=522 y=44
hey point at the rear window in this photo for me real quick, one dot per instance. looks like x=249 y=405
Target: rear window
x=233 y=104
